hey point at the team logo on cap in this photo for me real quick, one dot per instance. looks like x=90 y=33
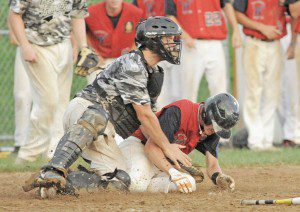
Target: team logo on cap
x=128 y=27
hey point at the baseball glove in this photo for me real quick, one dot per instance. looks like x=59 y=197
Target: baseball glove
x=87 y=62
x=195 y=171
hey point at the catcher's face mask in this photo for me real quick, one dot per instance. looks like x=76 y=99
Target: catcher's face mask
x=171 y=48
x=208 y=119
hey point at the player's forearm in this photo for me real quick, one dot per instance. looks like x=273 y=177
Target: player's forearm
x=12 y=37
x=151 y=127
x=79 y=31
x=294 y=34
x=212 y=165
x=157 y=157
x=295 y=9
x=230 y=14
x=247 y=22
x=18 y=29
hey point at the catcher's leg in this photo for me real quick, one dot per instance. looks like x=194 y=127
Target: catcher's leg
x=91 y=124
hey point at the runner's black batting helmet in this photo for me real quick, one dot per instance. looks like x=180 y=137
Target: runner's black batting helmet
x=149 y=35
x=222 y=111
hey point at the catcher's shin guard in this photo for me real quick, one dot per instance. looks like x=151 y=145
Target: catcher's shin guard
x=91 y=124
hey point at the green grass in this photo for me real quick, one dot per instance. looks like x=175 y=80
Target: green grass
x=238 y=158
x=228 y=158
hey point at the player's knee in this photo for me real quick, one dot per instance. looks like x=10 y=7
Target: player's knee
x=94 y=119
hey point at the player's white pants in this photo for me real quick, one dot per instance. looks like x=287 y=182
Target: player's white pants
x=206 y=58
x=104 y=153
x=50 y=78
x=23 y=100
x=297 y=140
x=144 y=175
x=289 y=94
x=262 y=64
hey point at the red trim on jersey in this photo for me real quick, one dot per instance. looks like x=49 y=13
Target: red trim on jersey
x=268 y=12
x=202 y=19
x=107 y=41
x=152 y=7
x=188 y=133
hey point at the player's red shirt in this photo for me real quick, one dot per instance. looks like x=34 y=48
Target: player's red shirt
x=152 y=7
x=268 y=12
x=202 y=19
x=188 y=133
x=110 y=42
x=297 y=28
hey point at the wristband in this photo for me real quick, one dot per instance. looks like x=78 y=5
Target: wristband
x=214 y=177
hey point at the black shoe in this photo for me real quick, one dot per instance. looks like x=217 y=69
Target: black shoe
x=289 y=144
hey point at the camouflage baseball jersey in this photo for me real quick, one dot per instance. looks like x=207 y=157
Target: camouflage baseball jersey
x=123 y=82
x=48 y=22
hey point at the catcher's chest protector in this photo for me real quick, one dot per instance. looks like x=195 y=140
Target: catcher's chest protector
x=122 y=116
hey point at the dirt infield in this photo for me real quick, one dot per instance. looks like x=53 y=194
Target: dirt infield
x=251 y=183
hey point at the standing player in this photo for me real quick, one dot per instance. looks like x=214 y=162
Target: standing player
x=204 y=29
x=151 y=7
x=119 y=100
x=264 y=24
x=42 y=29
x=114 y=34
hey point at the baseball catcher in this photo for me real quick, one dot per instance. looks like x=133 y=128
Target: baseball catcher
x=189 y=126
x=118 y=101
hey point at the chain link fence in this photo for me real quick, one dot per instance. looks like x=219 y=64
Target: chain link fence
x=7 y=58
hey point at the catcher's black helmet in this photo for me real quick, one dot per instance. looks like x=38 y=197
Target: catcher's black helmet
x=222 y=111
x=149 y=33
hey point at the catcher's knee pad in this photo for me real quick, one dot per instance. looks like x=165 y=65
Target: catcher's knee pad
x=91 y=124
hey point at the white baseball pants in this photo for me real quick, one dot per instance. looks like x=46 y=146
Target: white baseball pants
x=262 y=64
x=144 y=175
x=50 y=78
x=23 y=100
x=289 y=93
x=297 y=140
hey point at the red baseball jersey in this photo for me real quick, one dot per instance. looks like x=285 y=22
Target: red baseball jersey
x=188 y=133
x=297 y=28
x=268 y=12
x=110 y=42
x=152 y=7
x=202 y=19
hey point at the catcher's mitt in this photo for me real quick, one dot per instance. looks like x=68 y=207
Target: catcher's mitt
x=87 y=62
x=195 y=171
